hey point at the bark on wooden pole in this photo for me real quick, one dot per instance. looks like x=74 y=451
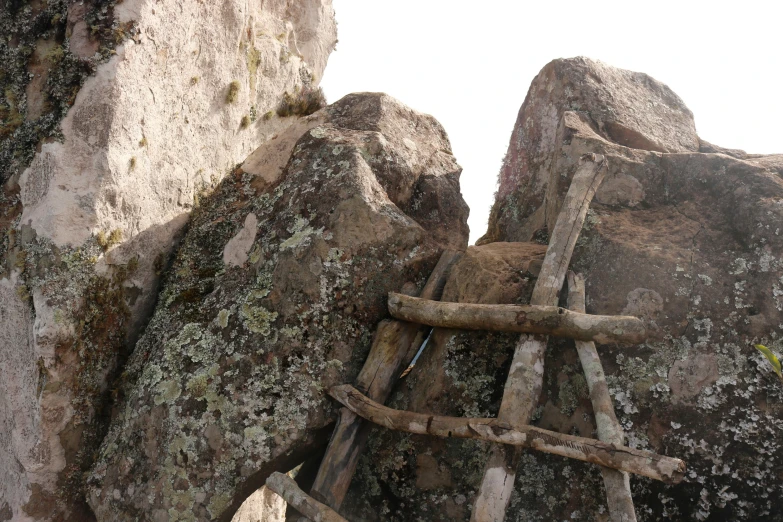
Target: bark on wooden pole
x=617 y=483
x=523 y=386
x=550 y=320
x=646 y=463
x=394 y=345
x=313 y=510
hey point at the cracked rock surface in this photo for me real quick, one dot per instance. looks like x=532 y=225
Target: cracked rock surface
x=684 y=234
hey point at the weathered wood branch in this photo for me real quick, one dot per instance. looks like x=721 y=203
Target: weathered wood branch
x=617 y=483
x=394 y=345
x=525 y=378
x=313 y=510
x=648 y=464
x=550 y=320
x=584 y=185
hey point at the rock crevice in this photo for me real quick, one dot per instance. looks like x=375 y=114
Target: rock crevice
x=143 y=127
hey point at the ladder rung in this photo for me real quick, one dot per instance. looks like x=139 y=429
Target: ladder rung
x=623 y=458
x=535 y=319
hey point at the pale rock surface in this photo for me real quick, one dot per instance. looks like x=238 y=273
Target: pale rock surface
x=227 y=383
x=262 y=506
x=236 y=251
x=148 y=132
x=693 y=244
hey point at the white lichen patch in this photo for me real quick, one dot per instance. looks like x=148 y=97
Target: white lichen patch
x=197 y=385
x=168 y=391
x=301 y=234
x=318 y=132
x=258 y=319
x=222 y=318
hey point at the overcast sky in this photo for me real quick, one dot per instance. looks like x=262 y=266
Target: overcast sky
x=469 y=64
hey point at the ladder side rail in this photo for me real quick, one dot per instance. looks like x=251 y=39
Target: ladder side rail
x=617 y=483
x=525 y=378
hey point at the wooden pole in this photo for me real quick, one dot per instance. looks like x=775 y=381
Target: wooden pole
x=313 y=510
x=648 y=464
x=525 y=378
x=550 y=320
x=617 y=483
x=394 y=345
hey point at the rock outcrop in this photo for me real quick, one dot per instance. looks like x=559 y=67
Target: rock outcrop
x=683 y=234
x=150 y=104
x=121 y=122
x=624 y=107
x=274 y=296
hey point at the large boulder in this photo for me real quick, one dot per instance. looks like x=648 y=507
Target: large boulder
x=692 y=242
x=625 y=107
x=274 y=296
x=149 y=104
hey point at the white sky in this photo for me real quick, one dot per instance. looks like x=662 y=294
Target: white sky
x=469 y=64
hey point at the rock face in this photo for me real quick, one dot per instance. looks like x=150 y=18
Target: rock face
x=624 y=107
x=684 y=234
x=87 y=227
x=273 y=297
x=47 y=50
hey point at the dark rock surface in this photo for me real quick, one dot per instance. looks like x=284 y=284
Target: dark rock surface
x=684 y=234
x=273 y=297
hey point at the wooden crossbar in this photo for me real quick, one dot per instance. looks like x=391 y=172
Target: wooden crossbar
x=645 y=463
x=549 y=320
x=396 y=342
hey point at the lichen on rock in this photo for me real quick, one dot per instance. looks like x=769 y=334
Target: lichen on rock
x=213 y=406
x=106 y=145
x=47 y=51
x=684 y=235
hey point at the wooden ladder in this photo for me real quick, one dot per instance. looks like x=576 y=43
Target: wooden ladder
x=397 y=341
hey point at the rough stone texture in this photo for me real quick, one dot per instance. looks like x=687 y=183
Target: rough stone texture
x=88 y=226
x=624 y=107
x=47 y=50
x=690 y=241
x=227 y=383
